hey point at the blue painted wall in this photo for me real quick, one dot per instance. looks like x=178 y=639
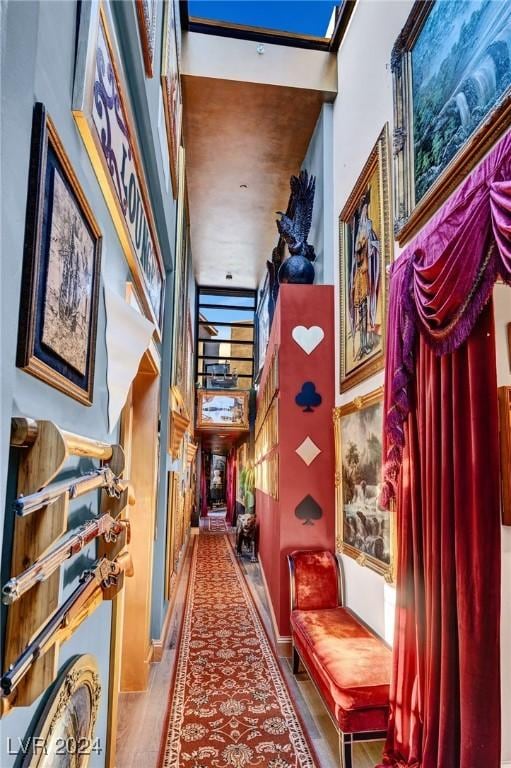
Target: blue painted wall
x=38 y=42
x=319 y=162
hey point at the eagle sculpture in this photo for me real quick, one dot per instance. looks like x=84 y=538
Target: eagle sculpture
x=294 y=227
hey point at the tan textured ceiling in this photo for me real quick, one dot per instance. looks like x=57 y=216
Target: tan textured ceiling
x=241 y=133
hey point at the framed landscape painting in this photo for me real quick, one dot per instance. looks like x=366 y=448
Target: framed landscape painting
x=364 y=530
x=365 y=247
x=452 y=99
x=61 y=269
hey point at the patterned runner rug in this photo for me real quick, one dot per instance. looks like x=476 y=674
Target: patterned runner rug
x=230 y=706
x=217 y=524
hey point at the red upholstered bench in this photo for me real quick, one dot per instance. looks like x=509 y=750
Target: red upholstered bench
x=349 y=665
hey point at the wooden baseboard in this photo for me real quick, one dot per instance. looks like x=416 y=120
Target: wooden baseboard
x=158 y=645
x=282 y=641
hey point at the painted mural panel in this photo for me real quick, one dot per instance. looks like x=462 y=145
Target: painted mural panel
x=364 y=248
x=460 y=69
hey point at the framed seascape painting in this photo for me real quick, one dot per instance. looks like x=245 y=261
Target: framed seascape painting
x=171 y=83
x=365 y=249
x=364 y=531
x=146 y=13
x=452 y=99
x=61 y=271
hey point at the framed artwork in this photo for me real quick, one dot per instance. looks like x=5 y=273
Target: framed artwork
x=67 y=721
x=452 y=99
x=263 y=325
x=172 y=98
x=505 y=451
x=61 y=270
x=146 y=13
x=102 y=112
x=364 y=531
x=227 y=410
x=181 y=309
x=365 y=251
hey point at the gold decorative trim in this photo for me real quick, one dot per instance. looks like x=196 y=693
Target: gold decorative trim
x=410 y=216
x=363 y=559
x=379 y=161
x=92 y=21
x=80 y=671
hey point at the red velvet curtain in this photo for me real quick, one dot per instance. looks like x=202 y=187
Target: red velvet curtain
x=231 y=486
x=445 y=693
x=204 y=483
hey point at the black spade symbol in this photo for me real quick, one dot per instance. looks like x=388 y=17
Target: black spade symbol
x=308 y=398
x=308 y=510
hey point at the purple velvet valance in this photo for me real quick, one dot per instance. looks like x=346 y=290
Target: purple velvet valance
x=440 y=284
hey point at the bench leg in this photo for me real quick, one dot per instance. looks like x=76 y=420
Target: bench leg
x=296 y=661
x=345 y=745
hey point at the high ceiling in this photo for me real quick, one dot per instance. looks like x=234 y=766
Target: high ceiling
x=243 y=142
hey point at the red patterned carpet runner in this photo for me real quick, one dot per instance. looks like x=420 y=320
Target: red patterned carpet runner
x=230 y=707
x=217 y=524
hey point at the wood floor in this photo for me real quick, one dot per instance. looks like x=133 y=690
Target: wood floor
x=141 y=715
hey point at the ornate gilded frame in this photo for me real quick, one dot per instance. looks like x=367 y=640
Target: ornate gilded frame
x=171 y=86
x=95 y=21
x=409 y=216
x=387 y=571
x=378 y=161
x=181 y=266
x=79 y=671
x=242 y=425
x=146 y=13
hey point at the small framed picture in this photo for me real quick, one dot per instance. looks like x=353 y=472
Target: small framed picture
x=365 y=531
x=61 y=269
x=223 y=409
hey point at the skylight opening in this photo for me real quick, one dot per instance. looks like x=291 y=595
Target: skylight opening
x=310 y=18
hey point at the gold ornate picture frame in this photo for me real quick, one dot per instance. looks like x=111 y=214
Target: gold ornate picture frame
x=66 y=724
x=364 y=531
x=452 y=101
x=102 y=111
x=365 y=252
x=146 y=13
x=171 y=85
x=224 y=410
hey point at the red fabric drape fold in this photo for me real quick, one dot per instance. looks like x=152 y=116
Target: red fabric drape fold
x=445 y=693
x=441 y=283
x=231 y=486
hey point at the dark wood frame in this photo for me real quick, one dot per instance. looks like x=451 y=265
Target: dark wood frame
x=410 y=217
x=504 y=394
x=32 y=355
x=147 y=30
x=378 y=161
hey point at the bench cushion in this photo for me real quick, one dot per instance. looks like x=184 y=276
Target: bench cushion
x=350 y=666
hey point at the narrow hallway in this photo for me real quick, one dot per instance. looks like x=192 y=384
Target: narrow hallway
x=229 y=705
